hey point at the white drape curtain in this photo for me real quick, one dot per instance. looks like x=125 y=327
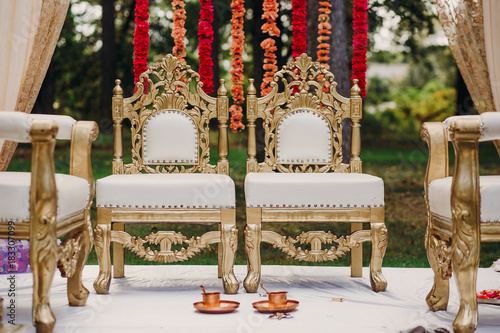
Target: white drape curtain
x=491 y=10
x=29 y=30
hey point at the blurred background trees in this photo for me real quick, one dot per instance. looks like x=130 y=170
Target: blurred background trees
x=419 y=81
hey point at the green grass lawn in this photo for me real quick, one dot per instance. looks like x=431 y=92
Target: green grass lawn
x=401 y=168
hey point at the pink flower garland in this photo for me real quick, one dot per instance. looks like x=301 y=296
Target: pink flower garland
x=299 y=27
x=141 y=39
x=205 y=37
x=359 y=43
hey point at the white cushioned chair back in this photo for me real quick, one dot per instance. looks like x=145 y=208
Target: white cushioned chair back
x=170 y=137
x=16 y=125
x=303 y=136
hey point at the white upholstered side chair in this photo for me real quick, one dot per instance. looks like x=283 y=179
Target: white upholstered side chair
x=170 y=179
x=462 y=210
x=41 y=206
x=303 y=178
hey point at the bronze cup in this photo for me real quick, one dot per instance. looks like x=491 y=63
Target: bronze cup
x=211 y=299
x=277 y=298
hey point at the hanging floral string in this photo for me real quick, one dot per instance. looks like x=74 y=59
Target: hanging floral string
x=206 y=37
x=238 y=38
x=270 y=14
x=141 y=39
x=299 y=27
x=178 y=31
x=324 y=32
x=359 y=43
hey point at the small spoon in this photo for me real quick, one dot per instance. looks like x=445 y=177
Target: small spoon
x=203 y=289
x=262 y=286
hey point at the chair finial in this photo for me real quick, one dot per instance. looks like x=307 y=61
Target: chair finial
x=251 y=87
x=355 y=90
x=222 y=88
x=117 y=90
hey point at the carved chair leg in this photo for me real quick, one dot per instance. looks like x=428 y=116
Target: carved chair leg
x=438 y=254
x=379 y=245
x=118 y=254
x=77 y=293
x=465 y=260
x=43 y=261
x=229 y=240
x=356 y=254
x=102 y=243
x=253 y=238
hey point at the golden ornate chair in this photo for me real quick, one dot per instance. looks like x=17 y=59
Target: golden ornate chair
x=462 y=210
x=170 y=179
x=41 y=206
x=303 y=179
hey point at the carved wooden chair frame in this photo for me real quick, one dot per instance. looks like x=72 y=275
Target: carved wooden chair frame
x=172 y=86
x=307 y=85
x=453 y=245
x=42 y=230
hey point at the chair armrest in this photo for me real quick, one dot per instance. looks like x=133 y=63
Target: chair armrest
x=436 y=137
x=83 y=134
x=489 y=124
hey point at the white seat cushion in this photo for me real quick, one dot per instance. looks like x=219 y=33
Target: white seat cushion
x=166 y=191
x=72 y=195
x=313 y=190
x=440 y=197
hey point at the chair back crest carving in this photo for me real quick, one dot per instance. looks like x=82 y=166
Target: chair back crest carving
x=169 y=115
x=303 y=96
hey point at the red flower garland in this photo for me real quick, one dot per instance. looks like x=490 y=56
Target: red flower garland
x=178 y=31
x=359 y=43
x=238 y=37
x=270 y=14
x=141 y=39
x=205 y=37
x=324 y=32
x=299 y=27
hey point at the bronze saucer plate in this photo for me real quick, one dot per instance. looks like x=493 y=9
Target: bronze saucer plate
x=225 y=307
x=263 y=306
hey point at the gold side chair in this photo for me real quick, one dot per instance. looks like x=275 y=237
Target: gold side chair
x=303 y=178
x=170 y=179
x=462 y=210
x=41 y=206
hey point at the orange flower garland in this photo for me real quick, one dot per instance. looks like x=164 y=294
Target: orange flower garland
x=270 y=9
x=324 y=32
x=238 y=37
x=178 y=31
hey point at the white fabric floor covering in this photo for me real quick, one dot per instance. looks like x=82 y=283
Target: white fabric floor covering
x=160 y=299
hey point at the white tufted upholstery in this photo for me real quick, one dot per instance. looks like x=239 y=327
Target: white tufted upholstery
x=489 y=122
x=166 y=191
x=170 y=137
x=72 y=195
x=15 y=125
x=313 y=190
x=440 y=197
x=303 y=136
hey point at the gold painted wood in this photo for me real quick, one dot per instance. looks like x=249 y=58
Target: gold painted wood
x=453 y=246
x=43 y=228
x=307 y=85
x=173 y=86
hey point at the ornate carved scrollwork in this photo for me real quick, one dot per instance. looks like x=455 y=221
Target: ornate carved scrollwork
x=170 y=88
x=304 y=83
x=68 y=254
x=462 y=244
x=316 y=239
x=166 y=239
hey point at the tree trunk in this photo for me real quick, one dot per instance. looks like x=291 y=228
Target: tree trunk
x=339 y=66
x=312 y=29
x=108 y=56
x=45 y=99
